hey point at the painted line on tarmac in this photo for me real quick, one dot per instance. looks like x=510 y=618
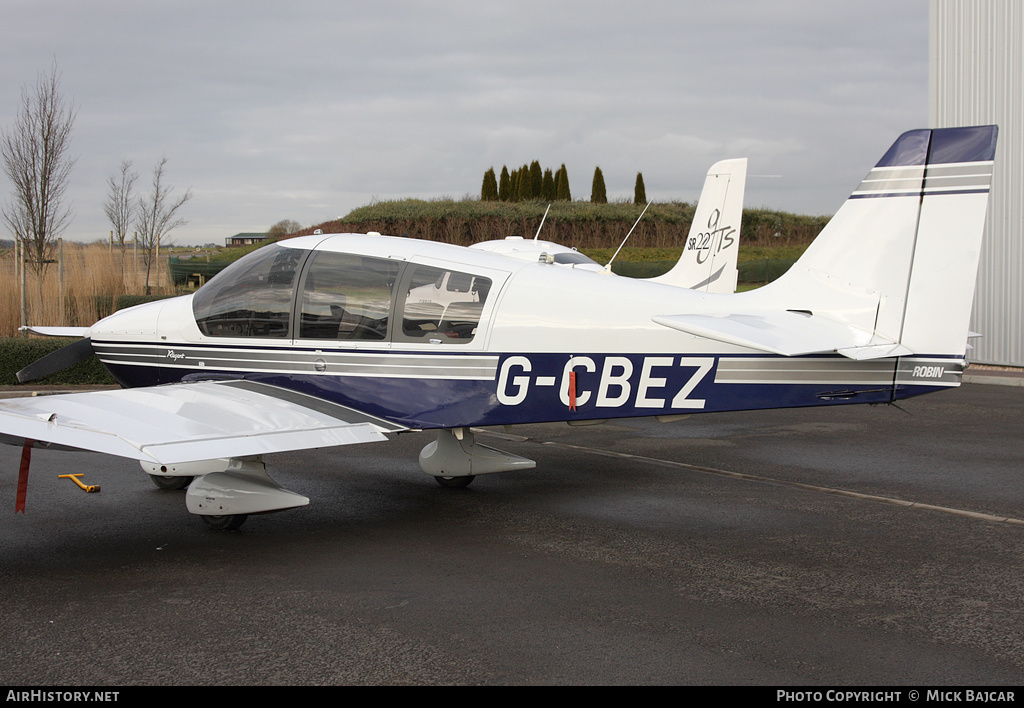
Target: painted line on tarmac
x=994 y=518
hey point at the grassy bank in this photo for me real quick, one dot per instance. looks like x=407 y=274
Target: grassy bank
x=579 y=225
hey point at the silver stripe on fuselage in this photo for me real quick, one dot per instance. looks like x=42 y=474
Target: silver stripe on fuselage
x=912 y=370
x=756 y=370
x=730 y=370
x=382 y=364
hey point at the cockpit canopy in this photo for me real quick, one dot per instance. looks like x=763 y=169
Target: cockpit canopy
x=280 y=292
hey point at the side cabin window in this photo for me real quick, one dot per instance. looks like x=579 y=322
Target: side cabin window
x=440 y=305
x=343 y=297
x=252 y=297
x=347 y=297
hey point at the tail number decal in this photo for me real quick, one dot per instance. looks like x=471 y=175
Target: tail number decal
x=650 y=382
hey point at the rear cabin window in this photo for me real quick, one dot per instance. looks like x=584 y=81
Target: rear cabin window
x=441 y=305
x=252 y=297
x=347 y=297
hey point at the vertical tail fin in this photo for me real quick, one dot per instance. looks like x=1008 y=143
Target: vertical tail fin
x=893 y=272
x=900 y=257
x=709 y=258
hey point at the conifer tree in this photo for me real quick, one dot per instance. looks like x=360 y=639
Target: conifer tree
x=639 y=193
x=525 y=184
x=598 y=195
x=562 y=192
x=536 y=180
x=547 y=190
x=489 y=188
x=504 y=186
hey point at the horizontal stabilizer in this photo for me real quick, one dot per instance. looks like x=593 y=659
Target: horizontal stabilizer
x=787 y=333
x=875 y=351
x=187 y=422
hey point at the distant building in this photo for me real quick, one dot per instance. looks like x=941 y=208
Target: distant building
x=977 y=69
x=244 y=240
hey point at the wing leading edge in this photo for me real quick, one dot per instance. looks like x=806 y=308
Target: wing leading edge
x=187 y=422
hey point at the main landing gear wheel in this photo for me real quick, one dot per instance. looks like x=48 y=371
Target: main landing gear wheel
x=171 y=482
x=455 y=482
x=229 y=522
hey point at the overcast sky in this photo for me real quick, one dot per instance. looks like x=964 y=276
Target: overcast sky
x=305 y=110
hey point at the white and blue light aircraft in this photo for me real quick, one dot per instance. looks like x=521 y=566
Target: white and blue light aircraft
x=330 y=340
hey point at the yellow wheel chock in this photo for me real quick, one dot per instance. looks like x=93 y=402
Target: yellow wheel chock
x=86 y=487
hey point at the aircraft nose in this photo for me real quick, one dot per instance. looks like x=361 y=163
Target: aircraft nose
x=139 y=320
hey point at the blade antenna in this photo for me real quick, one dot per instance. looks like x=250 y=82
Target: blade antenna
x=542 y=222
x=608 y=267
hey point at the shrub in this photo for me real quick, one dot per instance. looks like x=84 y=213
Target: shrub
x=18 y=352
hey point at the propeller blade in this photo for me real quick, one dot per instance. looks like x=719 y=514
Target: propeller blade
x=57 y=361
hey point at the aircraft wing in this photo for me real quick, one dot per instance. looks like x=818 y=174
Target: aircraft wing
x=787 y=332
x=187 y=422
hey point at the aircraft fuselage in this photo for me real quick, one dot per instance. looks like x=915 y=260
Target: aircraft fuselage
x=437 y=336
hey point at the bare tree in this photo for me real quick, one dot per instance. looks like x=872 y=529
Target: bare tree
x=36 y=159
x=155 y=216
x=283 y=228
x=118 y=207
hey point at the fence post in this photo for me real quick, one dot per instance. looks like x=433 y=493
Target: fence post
x=24 y=304
x=60 y=280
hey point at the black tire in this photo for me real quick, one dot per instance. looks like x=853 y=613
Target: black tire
x=455 y=482
x=229 y=522
x=171 y=482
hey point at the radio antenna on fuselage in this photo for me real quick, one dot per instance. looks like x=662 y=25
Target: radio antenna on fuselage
x=542 y=222
x=608 y=268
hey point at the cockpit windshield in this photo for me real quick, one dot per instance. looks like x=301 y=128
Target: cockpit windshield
x=341 y=297
x=252 y=297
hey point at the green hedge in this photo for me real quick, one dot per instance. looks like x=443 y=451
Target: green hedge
x=641 y=269
x=579 y=224
x=16 y=353
x=763 y=270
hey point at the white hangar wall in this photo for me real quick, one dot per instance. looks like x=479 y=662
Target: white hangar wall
x=976 y=77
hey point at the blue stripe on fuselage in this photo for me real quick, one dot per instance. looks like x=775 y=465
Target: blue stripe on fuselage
x=535 y=387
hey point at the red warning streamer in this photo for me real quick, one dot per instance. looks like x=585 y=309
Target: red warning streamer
x=572 y=390
x=26 y=458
